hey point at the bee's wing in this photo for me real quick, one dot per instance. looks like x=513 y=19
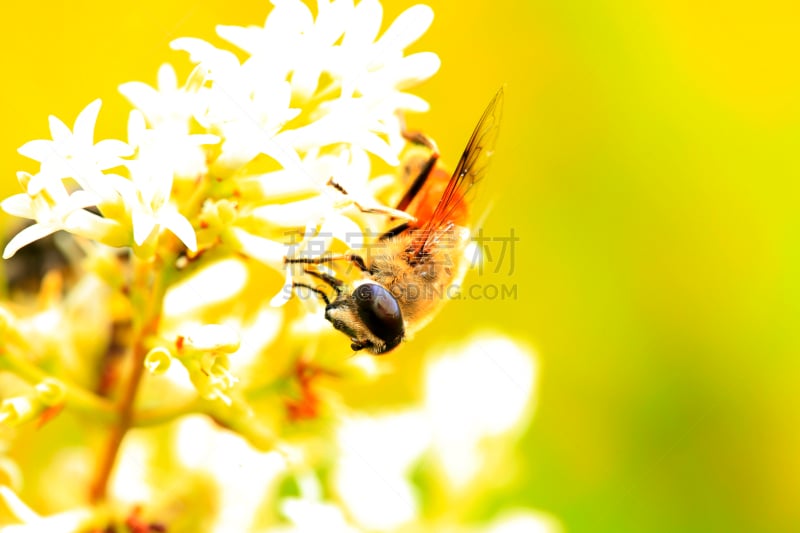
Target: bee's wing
x=470 y=170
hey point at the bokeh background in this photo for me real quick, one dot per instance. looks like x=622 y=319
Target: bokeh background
x=649 y=165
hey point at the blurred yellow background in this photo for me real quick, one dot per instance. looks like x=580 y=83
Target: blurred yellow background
x=648 y=163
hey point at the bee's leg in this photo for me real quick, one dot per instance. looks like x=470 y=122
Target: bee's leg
x=315 y=290
x=375 y=209
x=357 y=260
x=335 y=283
x=417 y=137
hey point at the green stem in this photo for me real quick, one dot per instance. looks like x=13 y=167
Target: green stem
x=240 y=419
x=162 y=415
x=237 y=418
x=77 y=399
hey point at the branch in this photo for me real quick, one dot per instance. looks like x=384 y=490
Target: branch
x=76 y=399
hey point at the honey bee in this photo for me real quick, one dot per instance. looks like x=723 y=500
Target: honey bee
x=405 y=276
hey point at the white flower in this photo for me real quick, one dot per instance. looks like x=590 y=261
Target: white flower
x=292 y=42
x=54 y=209
x=346 y=120
x=214 y=283
x=167 y=104
x=247 y=110
x=372 y=471
x=147 y=197
x=524 y=521
x=27 y=521
x=482 y=390
x=310 y=513
x=147 y=194
x=243 y=474
x=73 y=154
x=169 y=111
x=203 y=350
x=316 y=94
x=380 y=67
x=250 y=102
x=169 y=146
x=313 y=517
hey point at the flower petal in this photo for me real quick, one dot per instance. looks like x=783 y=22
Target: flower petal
x=85 y=123
x=143 y=226
x=332 y=20
x=142 y=96
x=167 y=79
x=293 y=214
x=289 y=17
x=17 y=508
x=180 y=226
x=91 y=226
x=406 y=28
x=365 y=24
x=58 y=130
x=136 y=127
x=269 y=252
x=343 y=229
x=109 y=148
x=248 y=39
x=82 y=199
x=19 y=205
x=38 y=150
x=285 y=294
x=32 y=233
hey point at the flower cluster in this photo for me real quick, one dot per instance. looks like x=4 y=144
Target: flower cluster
x=174 y=249
x=315 y=96
x=204 y=353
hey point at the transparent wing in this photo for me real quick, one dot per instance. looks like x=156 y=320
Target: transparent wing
x=470 y=170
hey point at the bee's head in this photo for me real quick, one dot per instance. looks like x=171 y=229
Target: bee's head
x=370 y=315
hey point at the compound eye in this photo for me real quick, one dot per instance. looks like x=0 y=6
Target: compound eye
x=380 y=312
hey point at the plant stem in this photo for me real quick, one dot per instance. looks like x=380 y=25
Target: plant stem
x=148 y=300
x=162 y=415
x=76 y=398
x=237 y=418
x=240 y=419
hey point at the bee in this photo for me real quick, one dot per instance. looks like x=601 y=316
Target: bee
x=405 y=276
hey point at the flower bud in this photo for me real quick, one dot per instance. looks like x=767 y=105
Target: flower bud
x=15 y=411
x=158 y=360
x=50 y=391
